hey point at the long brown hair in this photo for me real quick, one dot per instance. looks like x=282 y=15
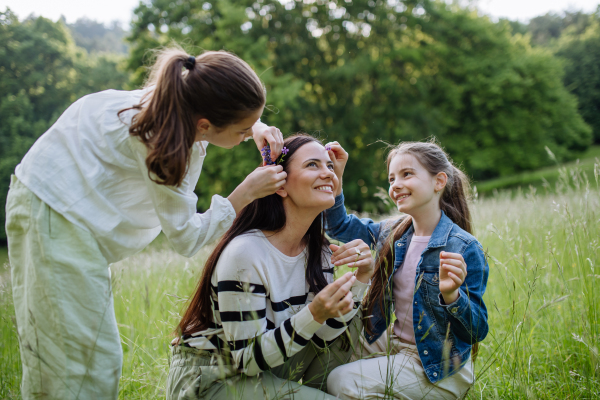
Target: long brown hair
x=220 y=87
x=453 y=202
x=267 y=214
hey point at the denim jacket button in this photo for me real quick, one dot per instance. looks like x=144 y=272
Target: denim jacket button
x=400 y=245
x=419 y=327
x=454 y=310
x=415 y=303
x=425 y=352
x=435 y=374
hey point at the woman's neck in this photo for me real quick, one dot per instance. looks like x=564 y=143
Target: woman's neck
x=290 y=240
x=425 y=221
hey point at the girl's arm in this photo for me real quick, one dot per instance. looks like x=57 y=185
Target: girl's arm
x=185 y=228
x=463 y=279
x=338 y=224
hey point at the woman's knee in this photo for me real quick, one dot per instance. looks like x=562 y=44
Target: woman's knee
x=339 y=382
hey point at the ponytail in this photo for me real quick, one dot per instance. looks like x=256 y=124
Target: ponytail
x=453 y=202
x=217 y=86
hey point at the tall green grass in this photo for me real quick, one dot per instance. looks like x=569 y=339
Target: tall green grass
x=543 y=300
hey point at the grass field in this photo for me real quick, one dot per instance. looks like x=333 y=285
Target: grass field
x=544 y=179
x=543 y=300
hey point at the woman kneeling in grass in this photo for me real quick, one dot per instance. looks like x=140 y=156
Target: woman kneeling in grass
x=267 y=309
x=430 y=272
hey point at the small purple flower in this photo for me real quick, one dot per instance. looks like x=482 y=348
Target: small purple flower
x=285 y=150
x=328 y=147
x=266 y=154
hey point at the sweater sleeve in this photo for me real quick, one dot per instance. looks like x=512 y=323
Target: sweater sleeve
x=334 y=327
x=186 y=229
x=242 y=291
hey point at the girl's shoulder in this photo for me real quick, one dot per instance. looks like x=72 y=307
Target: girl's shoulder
x=458 y=233
x=388 y=226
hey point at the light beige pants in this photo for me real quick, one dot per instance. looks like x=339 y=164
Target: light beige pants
x=69 y=341
x=391 y=369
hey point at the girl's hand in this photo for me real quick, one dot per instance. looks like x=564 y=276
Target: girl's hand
x=334 y=300
x=261 y=182
x=357 y=255
x=263 y=134
x=453 y=271
x=339 y=157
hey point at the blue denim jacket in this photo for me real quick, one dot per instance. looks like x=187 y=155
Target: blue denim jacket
x=444 y=333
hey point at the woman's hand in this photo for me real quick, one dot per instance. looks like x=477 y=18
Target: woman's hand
x=357 y=255
x=334 y=300
x=339 y=157
x=453 y=271
x=261 y=182
x=263 y=134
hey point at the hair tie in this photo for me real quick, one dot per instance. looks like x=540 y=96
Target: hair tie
x=190 y=63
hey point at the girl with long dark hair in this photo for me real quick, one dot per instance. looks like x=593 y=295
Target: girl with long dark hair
x=430 y=273
x=266 y=312
x=114 y=170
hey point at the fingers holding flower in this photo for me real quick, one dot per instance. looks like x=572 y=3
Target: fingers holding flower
x=268 y=135
x=356 y=254
x=266 y=155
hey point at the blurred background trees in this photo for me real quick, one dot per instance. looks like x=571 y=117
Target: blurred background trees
x=42 y=72
x=496 y=94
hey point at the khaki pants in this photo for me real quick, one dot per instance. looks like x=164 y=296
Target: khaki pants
x=69 y=341
x=391 y=369
x=194 y=374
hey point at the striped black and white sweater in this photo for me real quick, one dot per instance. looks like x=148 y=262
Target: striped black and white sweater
x=260 y=299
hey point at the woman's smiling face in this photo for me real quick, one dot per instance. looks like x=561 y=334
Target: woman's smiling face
x=311 y=182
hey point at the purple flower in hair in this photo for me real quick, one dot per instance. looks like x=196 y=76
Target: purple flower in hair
x=328 y=147
x=266 y=154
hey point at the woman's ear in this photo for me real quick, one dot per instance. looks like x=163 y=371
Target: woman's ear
x=440 y=181
x=282 y=192
x=203 y=125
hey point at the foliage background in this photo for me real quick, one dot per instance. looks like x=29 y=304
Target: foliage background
x=358 y=72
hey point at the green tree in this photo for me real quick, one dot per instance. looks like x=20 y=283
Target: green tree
x=41 y=73
x=582 y=71
x=363 y=70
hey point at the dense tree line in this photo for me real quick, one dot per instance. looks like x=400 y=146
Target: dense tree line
x=41 y=73
x=575 y=38
x=363 y=70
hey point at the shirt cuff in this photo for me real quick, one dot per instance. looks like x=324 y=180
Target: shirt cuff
x=226 y=210
x=456 y=307
x=339 y=201
x=358 y=290
x=304 y=324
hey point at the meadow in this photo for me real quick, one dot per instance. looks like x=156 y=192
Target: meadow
x=543 y=299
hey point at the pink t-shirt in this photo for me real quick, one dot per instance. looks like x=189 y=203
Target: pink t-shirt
x=404 y=288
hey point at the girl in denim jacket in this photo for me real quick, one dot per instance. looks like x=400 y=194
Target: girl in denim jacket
x=430 y=272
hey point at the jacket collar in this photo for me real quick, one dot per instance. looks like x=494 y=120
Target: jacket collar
x=439 y=237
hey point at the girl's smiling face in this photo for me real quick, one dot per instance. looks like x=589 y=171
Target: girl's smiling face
x=412 y=188
x=311 y=182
